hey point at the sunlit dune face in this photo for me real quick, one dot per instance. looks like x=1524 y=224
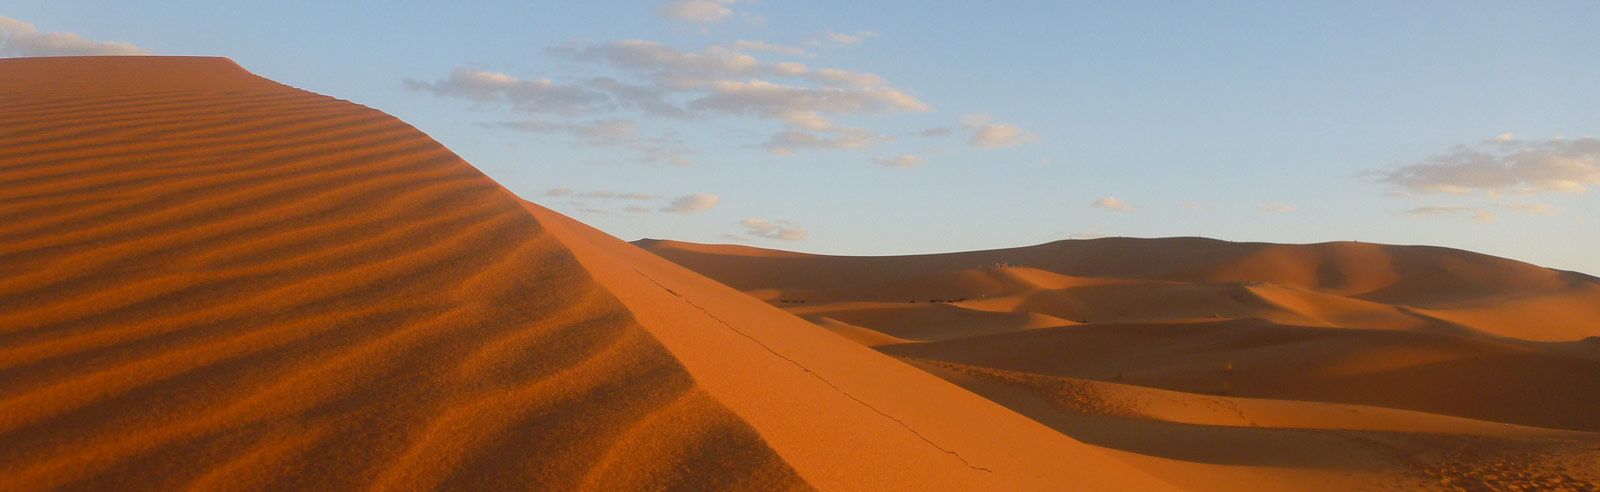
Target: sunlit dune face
x=1289 y=363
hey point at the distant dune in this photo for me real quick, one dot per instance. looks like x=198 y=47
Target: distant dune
x=1216 y=364
x=214 y=281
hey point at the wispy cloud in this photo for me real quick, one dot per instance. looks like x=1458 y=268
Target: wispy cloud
x=789 y=141
x=1481 y=214
x=20 y=38
x=611 y=133
x=1276 y=208
x=1502 y=165
x=717 y=81
x=697 y=11
x=1113 y=204
x=773 y=229
x=899 y=161
x=693 y=203
x=988 y=134
x=1438 y=210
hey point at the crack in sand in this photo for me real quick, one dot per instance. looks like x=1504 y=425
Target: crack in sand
x=814 y=374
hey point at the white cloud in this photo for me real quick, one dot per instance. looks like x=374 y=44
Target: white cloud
x=610 y=133
x=1191 y=205
x=636 y=209
x=901 y=161
x=19 y=38
x=1113 y=204
x=767 y=99
x=1507 y=166
x=846 y=78
x=1276 y=208
x=935 y=132
x=808 y=120
x=988 y=134
x=1485 y=216
x=696 y=11
x=533 y=96
x=780 y=229
x=720 y=80
x=558 y=192
x=789 y=141
x=693 y=203
x=751 y=45
x=846 y=38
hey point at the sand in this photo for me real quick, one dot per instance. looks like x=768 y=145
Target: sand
x=214 y=281
x=1229 y=366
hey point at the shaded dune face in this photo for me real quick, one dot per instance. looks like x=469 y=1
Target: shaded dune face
x=211 y=280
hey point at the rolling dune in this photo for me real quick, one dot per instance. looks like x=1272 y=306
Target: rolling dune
x=1222 y=366
x=213 y=281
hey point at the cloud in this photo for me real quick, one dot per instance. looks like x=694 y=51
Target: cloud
x=988 y=134
x=771 y=100
x=1191 y=205
x=1276 y=208
x=1113 y=204
x=696 y=11
x=19 y=38
x=730 y=72
x=610 y=133
x=1437 y=210
x=636 y=209
x=1480 y=214
x=1531 y=208
x=840 y=38
x=601 y=132
x=935 y=132
x=1505 y=165
x=667 y=65
x=692 y=203
x=533 y=96
x=558 y=192
x=789 y=141
x=781 y=229
x=654 y=79
x=848 y=39
x=901 y=161
x=750 y=45
x=808 y=120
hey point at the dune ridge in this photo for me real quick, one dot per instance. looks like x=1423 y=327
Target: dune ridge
x=218 y=281
x=215 y=281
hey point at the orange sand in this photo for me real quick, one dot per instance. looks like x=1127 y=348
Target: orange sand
x=1227 y=366
x=214 y=281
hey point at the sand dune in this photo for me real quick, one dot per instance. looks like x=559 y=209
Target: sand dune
x=1216 y=364
x=214 y=281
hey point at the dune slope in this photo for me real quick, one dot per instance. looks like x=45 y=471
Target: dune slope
x=214 y=281
x=1228 y=366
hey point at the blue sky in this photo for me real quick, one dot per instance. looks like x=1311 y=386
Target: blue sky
x=911 y=126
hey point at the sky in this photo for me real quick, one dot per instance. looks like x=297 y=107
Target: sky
x=896 y=127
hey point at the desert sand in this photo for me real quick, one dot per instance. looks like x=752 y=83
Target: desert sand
x=213 y=281
x=1228 y=366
